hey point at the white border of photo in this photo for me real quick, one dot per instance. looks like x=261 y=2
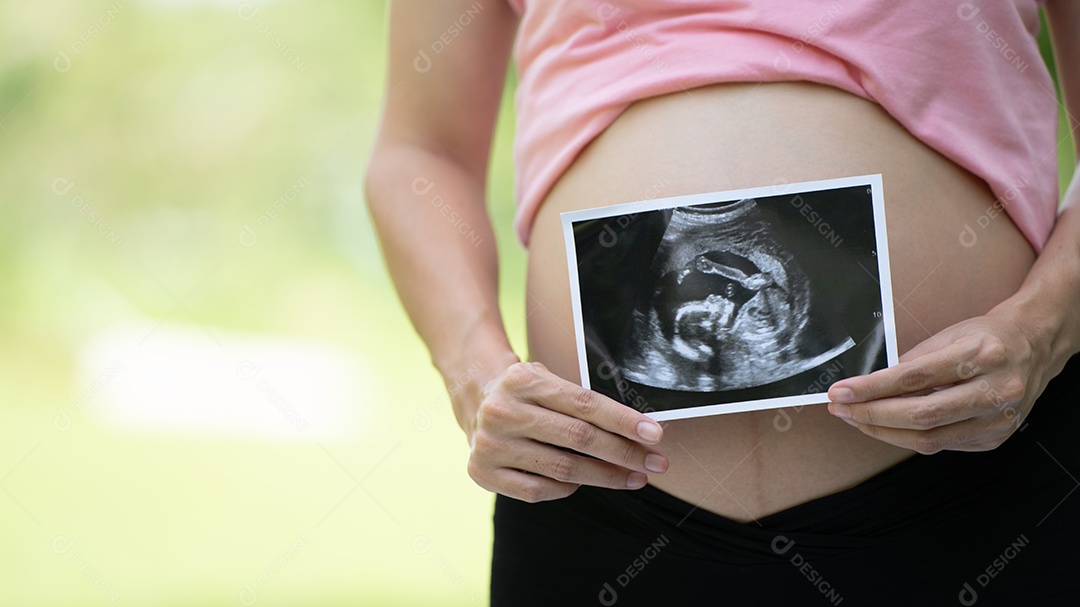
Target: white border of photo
x=884 y=276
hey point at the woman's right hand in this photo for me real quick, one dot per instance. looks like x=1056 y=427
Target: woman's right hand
x=431 y=159
x=527 y=413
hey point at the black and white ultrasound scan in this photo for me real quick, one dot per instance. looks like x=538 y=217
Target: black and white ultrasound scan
x=732 y=301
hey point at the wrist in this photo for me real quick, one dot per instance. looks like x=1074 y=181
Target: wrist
x=481 y=358
x=1048 y=328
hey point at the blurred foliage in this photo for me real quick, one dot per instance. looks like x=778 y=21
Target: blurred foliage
x=177 y=124
x=1066 y=149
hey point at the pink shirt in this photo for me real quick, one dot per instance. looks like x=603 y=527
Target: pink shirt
x=966 y=78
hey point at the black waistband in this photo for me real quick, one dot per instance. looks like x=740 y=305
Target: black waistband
x=942 y=491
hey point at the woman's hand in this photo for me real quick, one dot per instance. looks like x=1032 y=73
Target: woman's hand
x=968 y=388
x=527 y=412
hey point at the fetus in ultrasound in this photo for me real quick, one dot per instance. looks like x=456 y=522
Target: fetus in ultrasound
x=725 y=307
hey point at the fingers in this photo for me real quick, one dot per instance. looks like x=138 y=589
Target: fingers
x=553 y=473
x=581 y=436
x=938 y=408
x=968 y=435
x=529 y=412
x=591 y=423
x=970 y=416
x=569 y=399
x=527 y=487
x=925 y=372
x=571 y=468
x=605 y=413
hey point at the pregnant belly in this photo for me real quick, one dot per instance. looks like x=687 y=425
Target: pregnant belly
x=748 y=465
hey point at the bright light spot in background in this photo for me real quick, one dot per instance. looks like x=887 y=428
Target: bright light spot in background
x=185 y=379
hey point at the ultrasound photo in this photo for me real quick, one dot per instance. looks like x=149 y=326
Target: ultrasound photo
x=732 y=301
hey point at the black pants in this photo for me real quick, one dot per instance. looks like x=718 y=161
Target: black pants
x=999 y=527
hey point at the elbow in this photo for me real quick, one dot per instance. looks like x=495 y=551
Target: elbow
x=370 y=179
x=376 y=175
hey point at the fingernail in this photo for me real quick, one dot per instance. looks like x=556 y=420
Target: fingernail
x=649 y=431
x=636 y=480
x=840 y=410
x=655 y=462
x=841 y=395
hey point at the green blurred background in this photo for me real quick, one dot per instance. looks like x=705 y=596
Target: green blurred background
x=208 y=392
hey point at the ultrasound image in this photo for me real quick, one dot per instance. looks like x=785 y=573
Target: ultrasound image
x=730 y=308
x=730 y=302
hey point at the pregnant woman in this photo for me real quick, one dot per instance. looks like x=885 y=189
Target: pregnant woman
x=946 y=478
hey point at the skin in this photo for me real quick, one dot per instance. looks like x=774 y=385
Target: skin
x=747 y=465
x=969 y=387
x=436 y=131
x=434 y=140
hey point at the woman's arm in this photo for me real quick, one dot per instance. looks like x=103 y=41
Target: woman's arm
x=425 y=182
x=425 y=187
x=968 y=387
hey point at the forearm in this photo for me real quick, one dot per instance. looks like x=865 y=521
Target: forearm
x=1047 y=306
x=1048 y=303
x=436 y=237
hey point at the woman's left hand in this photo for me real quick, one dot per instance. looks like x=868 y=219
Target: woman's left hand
x=968 y=388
